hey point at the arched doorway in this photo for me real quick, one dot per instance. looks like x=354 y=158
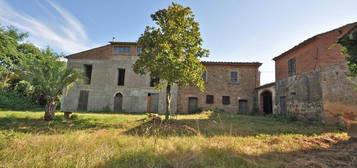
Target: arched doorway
x=267 y=99
x=118 y=103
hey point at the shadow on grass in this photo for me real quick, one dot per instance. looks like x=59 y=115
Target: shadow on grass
x=231 y=125
x=59 y=125
x=39 y=109
x=338 y=154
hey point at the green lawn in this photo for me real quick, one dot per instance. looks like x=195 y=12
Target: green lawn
x=128 y=140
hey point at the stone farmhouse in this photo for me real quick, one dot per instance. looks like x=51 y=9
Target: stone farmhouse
x=230 y=86
x=312 y=82
x=113 y=86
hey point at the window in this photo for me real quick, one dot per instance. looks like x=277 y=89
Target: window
x=234 y=77
x=354 y=36
x=88 y=73
x=154 y=81
x=204 y=76
x=225 y=100
x=138 y=50
x=121 y=50
x=121 y=77
x=209 y=99
x=292 y=66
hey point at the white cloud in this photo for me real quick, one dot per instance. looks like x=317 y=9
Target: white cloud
x=70 y=37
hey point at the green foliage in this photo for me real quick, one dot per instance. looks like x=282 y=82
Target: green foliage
x=10 y=99
x=25 y=88
x=350 y=49
x=171 y=52
x=10 y=39
x=48 y=74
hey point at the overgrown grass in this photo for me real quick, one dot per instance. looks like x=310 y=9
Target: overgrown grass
x=125 y=140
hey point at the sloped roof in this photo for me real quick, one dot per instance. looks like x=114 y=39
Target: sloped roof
x=347 y=33
x=266 y=85
x=312 y=39
x=230 y=63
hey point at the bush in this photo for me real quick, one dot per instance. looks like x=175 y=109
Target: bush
x=10 y=99
x=198 y=110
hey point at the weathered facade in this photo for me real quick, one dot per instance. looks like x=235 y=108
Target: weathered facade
x=312 y=81
x=230 y=86
x=113 y=85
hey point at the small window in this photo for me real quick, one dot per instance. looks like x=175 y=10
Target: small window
x=138 y=50
x=209 y=99
x=354 y=36
x=88 y=73
x=204 y=76
x=225 y=100
x=121 y=50
x=154 y=81
x=234 y=77
x=292 y=66
x=121 y=77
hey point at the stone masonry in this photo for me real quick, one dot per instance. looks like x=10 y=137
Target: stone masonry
x=218 y=85
x=104 y=86
x=136 y=90
x=319 y=89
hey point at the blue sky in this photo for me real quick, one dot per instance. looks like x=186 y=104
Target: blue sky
x=233 y=30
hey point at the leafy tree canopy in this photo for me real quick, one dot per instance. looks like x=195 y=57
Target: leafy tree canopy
x=49 y=76
x=171 y=51
x=10 y=39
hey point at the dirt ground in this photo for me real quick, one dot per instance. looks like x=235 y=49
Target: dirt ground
x=342 y=154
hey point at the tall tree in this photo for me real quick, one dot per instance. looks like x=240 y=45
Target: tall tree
x=172 y=50
x=10 y=39
x=49 y=76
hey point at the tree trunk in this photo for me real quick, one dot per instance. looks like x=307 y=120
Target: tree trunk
x=50 y=110
x=168 y=102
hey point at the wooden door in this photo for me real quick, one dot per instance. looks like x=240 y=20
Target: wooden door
x=118 y=103
x=192 y=104
x=153 y=102
x=283 y=109
x=83 y=100
x=243 y=106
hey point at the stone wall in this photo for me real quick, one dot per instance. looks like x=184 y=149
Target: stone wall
x=218 y=85
x=104 y=86
x=302 y=95
x=339 y=94
x=327 y=94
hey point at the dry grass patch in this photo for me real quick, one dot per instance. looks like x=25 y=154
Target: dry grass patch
x=123 y=140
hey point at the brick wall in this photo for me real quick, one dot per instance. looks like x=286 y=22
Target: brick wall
x=317 y=52
x=320 y=89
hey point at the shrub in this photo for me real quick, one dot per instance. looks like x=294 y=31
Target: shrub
x=10 y=99
x=198 y=110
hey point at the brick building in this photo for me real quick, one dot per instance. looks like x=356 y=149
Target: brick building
x=113 y=86
x=311 y=80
